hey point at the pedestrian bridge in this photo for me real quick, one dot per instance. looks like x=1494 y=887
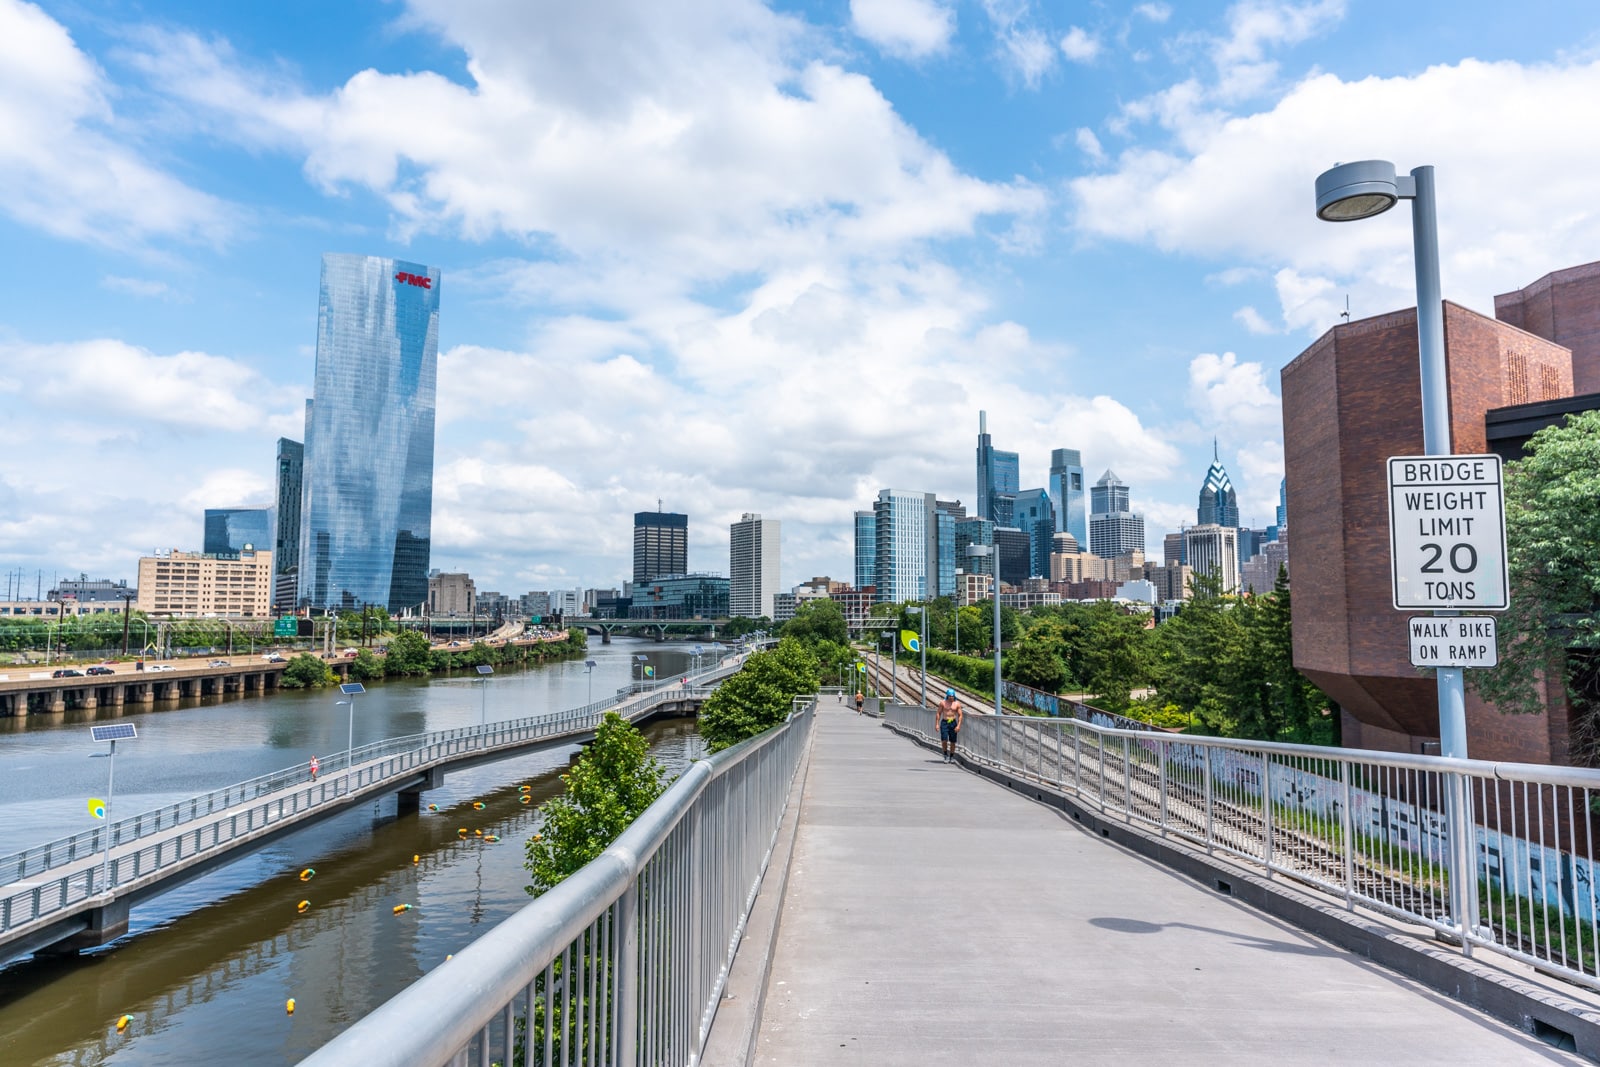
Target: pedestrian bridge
x=835 y=892
x=74 y=893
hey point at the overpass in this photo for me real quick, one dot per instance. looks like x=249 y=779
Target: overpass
x=73 y=893
x=656 y=628
x=834 y=891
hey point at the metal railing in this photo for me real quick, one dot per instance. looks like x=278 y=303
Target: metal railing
x=223 y=816
x=1372 y=828
x=625 y=961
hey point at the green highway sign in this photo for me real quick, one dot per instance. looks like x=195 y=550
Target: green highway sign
x=285 y=626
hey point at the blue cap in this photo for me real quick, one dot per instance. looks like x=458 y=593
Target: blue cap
x=949 y=692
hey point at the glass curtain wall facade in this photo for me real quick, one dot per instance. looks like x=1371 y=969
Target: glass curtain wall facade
x=660 y=544
x=998 y=477
x=1035 y=516
x=906 y=530
x=229 y=530
x=1067 y=493
x=946 y=514
x=1114 y=529
x=286 y=524
x=866 y=549
x=367 y=498
x=971 y=532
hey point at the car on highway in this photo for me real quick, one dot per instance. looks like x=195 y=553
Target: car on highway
x=159 y=667
x=219 y=663
x=351 y=653
x=67 y=672
x=274 y=658
x=101 y=670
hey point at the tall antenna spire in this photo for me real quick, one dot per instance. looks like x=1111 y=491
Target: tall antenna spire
x=1214 y=457
x=983 y=422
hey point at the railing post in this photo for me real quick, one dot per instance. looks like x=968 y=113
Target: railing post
x=1127 y=784
x=1207 y=750
x=1461 y=862
x=1161 y=754
x=1347 y=830
x=1266 y=811
x=626 y=985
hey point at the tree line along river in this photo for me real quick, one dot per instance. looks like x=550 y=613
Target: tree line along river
x=206 y=969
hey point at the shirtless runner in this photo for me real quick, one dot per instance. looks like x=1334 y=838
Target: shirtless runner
x=949 y=716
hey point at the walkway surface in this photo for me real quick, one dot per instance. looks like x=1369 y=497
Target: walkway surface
x=932 y=917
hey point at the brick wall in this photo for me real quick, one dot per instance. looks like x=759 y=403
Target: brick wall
x=1563 y=307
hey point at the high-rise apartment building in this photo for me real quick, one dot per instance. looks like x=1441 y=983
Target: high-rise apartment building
x=946 y=515
x=906 y=531
x=660 y=544
x=1214 y=550
x=998 y=477
x=193 y=585
x=367 y=495
x=753 y=566
x=866 y=549
x=1013 y=548
x=971 y=532
x=228 y=531
x=1114 y=529
x=1173 y=550
x=1067 y=493
x=286 y=520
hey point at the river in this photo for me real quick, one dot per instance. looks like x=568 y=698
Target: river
x=206 y=969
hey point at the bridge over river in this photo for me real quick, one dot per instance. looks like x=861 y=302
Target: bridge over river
x=73 y=893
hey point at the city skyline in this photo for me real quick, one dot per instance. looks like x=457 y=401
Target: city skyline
x=637 y=313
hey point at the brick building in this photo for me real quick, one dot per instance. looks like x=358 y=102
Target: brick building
x=1351 y=400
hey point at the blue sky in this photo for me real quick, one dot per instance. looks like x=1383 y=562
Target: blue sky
x=733 y=256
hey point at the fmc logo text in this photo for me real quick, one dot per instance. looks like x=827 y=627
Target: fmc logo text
x=421 y=281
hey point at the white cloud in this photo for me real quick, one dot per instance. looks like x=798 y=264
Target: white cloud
x=1241 y=187
x=229 y=487
x=146 y=287
x=1256 y=25
x=1079 y=45
x=1252 y=320
x=1228 y=394
x=1157 y=13
x=1024 y=49
x=907 y=29
x=1089 y=145
x=66 y=166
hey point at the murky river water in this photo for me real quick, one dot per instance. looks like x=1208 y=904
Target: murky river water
x=205 y=969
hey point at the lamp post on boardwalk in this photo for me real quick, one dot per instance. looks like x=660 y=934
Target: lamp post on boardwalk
x=351 y=690
x=922 y=646
x=484 y=670
x=994 y=594
x=588 y=668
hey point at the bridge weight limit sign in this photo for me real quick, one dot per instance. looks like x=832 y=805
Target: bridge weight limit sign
x=1447 y=533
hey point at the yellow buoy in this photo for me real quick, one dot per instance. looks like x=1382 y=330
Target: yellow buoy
x=491 y=837
x=477 y=833
x=526 y=799
x=525 y=788
x=303 y=905
x=433 y=807
x=122 y=1023
x=462 y=831
x=479 y=805
x=288 y=1005
x=398 y=908
x=538 y=837
x=415 y=858
x=306 y=875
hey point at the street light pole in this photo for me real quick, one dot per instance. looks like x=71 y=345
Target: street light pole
x=994 y=593
x=923 y=646
x=588 y=668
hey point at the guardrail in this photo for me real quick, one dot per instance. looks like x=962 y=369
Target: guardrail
x=625 y=961
x=1372 y=828
x=245 y=808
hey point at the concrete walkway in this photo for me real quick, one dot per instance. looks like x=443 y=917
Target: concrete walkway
x=934 y=918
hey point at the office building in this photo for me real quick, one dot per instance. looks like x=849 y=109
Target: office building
x=1260 y=575
x=535 y=604
x=289 y=478
x=228 y=531
x=660 y=544
x=856 y=604
x=1067 y=493
x=753 y=566
x=1214 y=550
x=1219 y=504
x=973 y=588
x=907 y=551
x=86 y=590
x=194 y=585
x=565 y=602
x=866 y=549
x=367 y=495
x=970 y=532
x=998 y=477
x=947 y=514
x=1171 y=581
x=681 y=596
x=1281 y=519
x=1014 y=549
x=783 y=607
x=451 y=594
x=1034 y=515
x=1114 y=528
x=1172 y=549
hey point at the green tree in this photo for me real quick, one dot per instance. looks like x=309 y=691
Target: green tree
x=612 y=782
x=366 y=667
x=819 y=619
x=760 y=695
x=306 y=671
x=1115 y=659
x=741 y=626
x=1552 y=628
x=409 y=653
x=1035 y=660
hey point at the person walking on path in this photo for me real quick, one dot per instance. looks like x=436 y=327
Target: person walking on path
x=315 y=767
x=859 y=701
x=950 y=716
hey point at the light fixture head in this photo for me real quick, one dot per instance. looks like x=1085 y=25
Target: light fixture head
x=1352 y=191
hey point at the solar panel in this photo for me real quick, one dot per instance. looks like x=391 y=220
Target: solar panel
x=484 y=668
x=351 y=689
x=117 y=731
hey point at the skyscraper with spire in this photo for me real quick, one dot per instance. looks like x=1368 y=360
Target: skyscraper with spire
x=998 y=478
x=1219 y=504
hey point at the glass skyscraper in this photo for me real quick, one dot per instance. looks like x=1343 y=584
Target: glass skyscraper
x=1219 y=504
x=229 y=530
x=866 y=549
x=907 y=553
x=998 y=477
x=1114 y=528
x=660 y=544
x=367 y=497
x=1066 y=494
x=286 y=523
x=1034 y=515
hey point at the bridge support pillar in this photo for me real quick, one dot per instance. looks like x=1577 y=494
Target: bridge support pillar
x=58 y=702
x=90 y=701
x=410 y=800
x=605 y=635
x=106 y=923
x=145 y=694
